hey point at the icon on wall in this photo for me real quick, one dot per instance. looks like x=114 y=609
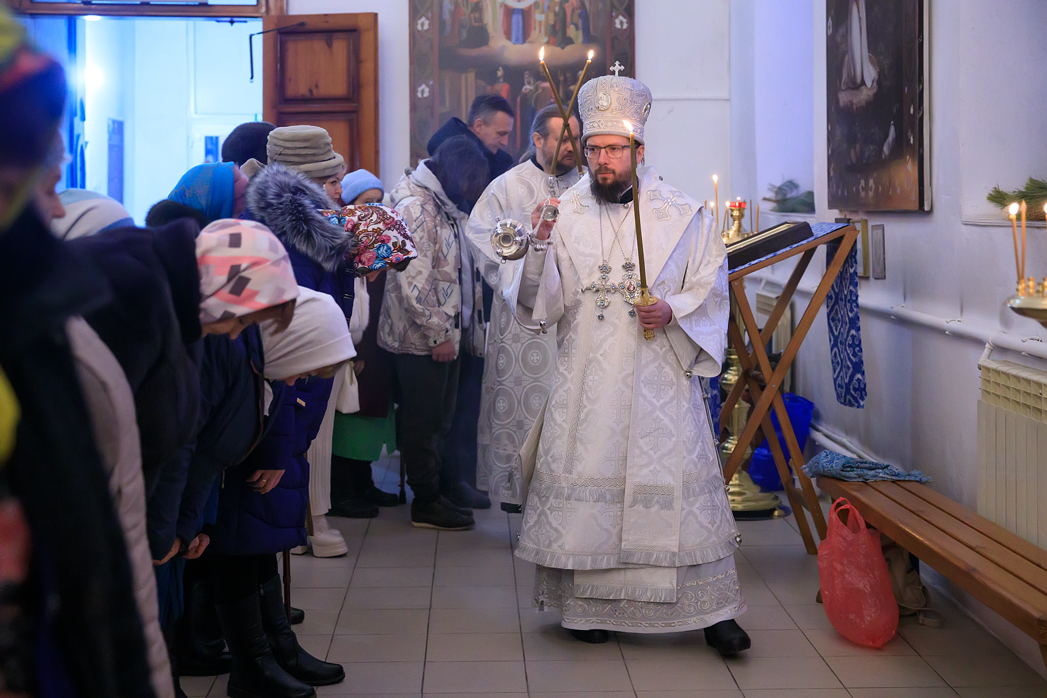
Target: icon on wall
x=115 y=167
x=875 y=67
x=464 y=48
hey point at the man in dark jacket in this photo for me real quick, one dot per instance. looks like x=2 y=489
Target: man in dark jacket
x=490 y=122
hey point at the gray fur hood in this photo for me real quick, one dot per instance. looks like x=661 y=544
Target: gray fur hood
x=289 y=203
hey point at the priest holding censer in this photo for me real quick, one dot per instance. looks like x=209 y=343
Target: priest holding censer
x=626 y=516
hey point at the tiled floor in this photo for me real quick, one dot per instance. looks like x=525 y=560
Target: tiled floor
x=414 y=613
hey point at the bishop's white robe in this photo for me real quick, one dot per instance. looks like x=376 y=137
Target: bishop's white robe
x=518 y=363
x=626 y=514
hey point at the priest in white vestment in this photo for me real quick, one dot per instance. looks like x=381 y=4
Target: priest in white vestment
x=519 y=366
x=626 y=516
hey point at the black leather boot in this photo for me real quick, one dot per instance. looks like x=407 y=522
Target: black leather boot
x=297 y=616
x=728 y=638
x=255 y=672
x=296 y=661
x=200 y=647
x=596 y=636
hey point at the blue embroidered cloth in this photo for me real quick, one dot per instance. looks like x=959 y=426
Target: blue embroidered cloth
x=841 y=467
x=845 y=329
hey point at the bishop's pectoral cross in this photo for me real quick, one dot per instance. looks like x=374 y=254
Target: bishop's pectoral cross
x=604 y=287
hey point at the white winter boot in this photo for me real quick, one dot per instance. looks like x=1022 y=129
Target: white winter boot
x=326 y=541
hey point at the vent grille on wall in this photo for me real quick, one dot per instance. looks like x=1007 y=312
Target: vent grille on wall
x=782 y=334
x=1012 y=445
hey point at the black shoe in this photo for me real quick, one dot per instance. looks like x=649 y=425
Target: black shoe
x=297 y=616
x=728 y=638
x=354 y=508
x=200 y=647
x=462 y=494
x=597 y=636
x=375 y=496
x=289 y=654
x=255 y=672
x=441 y=515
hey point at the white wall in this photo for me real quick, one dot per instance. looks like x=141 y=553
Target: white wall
x=988 y=102
x=109 y=69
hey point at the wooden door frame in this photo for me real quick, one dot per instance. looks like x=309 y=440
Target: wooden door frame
x=366 y=23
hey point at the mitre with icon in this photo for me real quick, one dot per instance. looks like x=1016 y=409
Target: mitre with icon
x=608 y=101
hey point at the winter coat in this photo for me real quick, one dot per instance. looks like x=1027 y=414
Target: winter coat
x=152 y=318
x=249 y=523
x=499 y=162
x=87 y=596
x=112 y=409
x=422 y=305
x=229 y=424
x=321 y=253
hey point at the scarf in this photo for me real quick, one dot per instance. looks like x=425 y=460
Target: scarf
x=208 y=189
x=317 y=337
x=382 y=237
x=243 y=269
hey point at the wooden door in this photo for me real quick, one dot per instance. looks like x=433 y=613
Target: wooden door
x=323 y=70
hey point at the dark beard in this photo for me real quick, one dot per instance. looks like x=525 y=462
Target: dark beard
x=607 y=193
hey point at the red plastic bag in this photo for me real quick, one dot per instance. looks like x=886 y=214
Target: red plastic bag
x=856 y=588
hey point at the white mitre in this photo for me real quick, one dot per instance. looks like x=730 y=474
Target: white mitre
x=605 y=102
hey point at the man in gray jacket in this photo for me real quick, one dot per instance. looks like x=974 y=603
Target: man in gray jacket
x=421 y=320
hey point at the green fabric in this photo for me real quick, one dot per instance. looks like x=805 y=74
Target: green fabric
x=362 y=438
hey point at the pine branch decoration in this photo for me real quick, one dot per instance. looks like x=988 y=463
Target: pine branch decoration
x=1034 y=193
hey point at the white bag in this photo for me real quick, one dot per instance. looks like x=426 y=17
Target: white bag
x=348 y=389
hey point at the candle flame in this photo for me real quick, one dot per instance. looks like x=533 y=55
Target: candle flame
x=591 y=54
x=715 y=178
x=628 y=125
x=1013 y=209
x=541 y=55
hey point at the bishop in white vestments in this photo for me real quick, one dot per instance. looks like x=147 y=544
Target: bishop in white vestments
x=626 y=516
x=519 y=365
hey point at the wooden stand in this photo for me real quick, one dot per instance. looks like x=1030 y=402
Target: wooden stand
x=758 y=362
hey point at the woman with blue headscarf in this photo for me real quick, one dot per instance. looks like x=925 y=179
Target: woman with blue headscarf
x=217 y=190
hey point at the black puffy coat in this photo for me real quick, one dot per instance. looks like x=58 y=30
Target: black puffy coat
x=152 y=318
x=56 y=472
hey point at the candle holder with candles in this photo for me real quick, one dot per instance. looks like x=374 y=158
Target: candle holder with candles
x=1030 y=300
x=736 y=209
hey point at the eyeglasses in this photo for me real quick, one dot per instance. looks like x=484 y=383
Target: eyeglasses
x=613 y=151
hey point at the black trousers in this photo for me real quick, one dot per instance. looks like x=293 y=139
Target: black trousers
x=426 y=392
x=460 y=448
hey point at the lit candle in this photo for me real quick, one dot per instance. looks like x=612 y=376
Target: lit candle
x=757 y=217
x=570 y=109
x=559 y=105
x=645 y=297
x=1023 y=239
x=1012 y=212
x=751 y=219
x=716 y=197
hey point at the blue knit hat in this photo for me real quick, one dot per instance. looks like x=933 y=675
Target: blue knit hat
x=356 y=183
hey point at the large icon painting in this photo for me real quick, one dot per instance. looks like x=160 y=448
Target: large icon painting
x=875 y=54
x=464 y=48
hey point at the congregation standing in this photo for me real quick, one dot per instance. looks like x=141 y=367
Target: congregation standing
x=223 y=379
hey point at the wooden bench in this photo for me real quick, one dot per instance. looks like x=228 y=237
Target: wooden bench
x=1006 y=573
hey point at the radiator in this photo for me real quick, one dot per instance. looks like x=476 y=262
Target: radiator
x=1012 y=449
